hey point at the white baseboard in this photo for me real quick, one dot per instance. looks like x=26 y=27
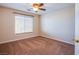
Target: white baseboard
x=55 y=38
x=15 y=40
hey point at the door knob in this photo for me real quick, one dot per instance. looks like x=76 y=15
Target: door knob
x=77 y=41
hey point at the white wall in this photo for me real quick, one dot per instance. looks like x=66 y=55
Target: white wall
x=7 y=26
x=0 y=26
x=77 y=28
x=59 y=24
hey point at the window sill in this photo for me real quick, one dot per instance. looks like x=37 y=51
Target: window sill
x=23 y=33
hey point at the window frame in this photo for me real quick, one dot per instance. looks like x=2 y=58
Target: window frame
x=24 y=25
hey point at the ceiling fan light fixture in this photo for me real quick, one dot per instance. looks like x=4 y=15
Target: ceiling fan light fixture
x=35 y=9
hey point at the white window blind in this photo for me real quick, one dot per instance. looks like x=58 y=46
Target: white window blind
x=23 y=24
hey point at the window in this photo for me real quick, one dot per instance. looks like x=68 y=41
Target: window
x=23 y=24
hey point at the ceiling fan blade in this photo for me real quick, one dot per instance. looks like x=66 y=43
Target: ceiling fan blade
x=42 y=9
x=30 y=9
x=41 y=4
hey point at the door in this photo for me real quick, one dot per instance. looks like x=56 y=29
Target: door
x=77 y=29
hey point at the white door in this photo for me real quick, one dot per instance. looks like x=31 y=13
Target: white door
x=77 y=48
x=77 y=29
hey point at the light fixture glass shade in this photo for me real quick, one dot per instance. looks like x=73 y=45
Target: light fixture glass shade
x=35 y=9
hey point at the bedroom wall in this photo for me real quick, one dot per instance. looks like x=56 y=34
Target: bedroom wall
x=7 y=24
x=59 y=24
x=0 y=26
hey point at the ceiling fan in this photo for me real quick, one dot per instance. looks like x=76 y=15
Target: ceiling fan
x=37 y=6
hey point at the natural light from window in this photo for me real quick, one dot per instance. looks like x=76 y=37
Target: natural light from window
x=23 y=24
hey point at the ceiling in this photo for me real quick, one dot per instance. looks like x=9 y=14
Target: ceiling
x=48 y=6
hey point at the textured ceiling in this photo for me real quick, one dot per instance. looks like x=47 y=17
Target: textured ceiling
x=48 y=6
